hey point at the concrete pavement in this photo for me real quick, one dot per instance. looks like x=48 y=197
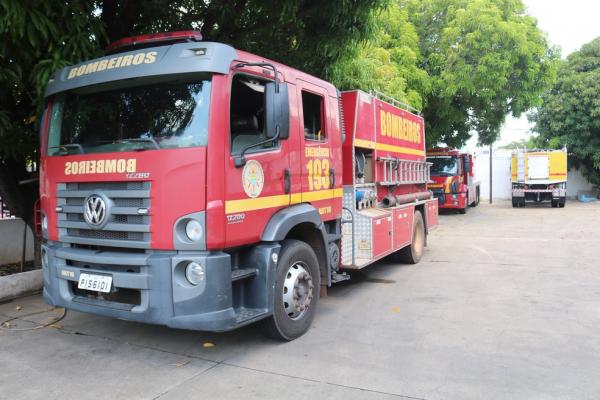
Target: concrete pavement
x=504 y=305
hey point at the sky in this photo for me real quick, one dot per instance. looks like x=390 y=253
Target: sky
x=569 y=25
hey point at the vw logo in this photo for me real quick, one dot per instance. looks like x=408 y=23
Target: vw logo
x=95 y=210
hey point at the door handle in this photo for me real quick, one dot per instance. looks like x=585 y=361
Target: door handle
x=287 y=181
x=332 y=178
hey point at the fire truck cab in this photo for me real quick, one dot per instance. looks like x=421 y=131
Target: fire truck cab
x=189 y=184
x=453 y=181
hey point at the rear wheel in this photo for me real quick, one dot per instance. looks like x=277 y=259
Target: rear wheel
x=296 y=291
x=462 y=210
x=412 y=254
x=476 y=202
x=562 y=202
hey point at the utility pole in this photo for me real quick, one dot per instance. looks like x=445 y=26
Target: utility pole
x=491 y=173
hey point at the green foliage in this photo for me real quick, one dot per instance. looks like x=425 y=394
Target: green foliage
x=34 y=43
x=467 y=63
x=485 y=58
x=309 y=35
x=36 y=38
x=570 y=112
x=387 y=62
x=526 y=143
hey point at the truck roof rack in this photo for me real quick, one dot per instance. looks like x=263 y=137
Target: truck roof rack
x=389 y=99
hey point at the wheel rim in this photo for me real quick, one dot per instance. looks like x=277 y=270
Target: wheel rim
x=297 y=290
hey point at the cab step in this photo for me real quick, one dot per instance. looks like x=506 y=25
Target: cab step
x=247 y=315
x=242 y=273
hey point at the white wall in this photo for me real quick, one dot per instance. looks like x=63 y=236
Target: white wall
x=501 y=183
x=11 y=241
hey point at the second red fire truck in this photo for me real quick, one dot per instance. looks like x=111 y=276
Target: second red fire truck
x=189 y=184
x=454 y=183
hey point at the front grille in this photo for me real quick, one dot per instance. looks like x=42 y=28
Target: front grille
x=439 y=194
x=107 y=235
x=125 y=226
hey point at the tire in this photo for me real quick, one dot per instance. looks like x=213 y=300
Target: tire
x=554 y=203
x=515 y=203
x=462 y=210
x=476 y=202
x=561 y=203
x=297 y=274
x=412 y=254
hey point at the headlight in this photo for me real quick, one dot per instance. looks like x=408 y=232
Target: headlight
x=44 y=222
x=194 y=273
x=193 y=230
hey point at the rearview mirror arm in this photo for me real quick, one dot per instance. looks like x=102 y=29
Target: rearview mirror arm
x=240 y=160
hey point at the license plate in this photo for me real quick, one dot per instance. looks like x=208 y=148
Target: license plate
x=99 y=283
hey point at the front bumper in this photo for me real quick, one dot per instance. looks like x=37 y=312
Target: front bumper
x=531 y=194
x=451 y=200
x=147 y=287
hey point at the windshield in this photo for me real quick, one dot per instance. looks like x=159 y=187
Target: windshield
x=443 y=166
x=156 y=116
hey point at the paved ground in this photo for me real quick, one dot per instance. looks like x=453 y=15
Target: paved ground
x=504 y=305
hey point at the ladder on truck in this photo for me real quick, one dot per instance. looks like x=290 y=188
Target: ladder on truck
x=397 y=171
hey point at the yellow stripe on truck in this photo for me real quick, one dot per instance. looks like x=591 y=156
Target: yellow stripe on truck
x=260 y=203
x=387 y=147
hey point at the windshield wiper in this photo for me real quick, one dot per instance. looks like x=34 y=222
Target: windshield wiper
x=145 y=140
x=68 y=146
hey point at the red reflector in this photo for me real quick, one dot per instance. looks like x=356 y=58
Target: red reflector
x=133 y=41
x=37 y=218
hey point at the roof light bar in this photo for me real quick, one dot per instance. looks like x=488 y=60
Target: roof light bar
x=153 y=38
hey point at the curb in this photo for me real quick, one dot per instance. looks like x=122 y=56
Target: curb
x=16 y=285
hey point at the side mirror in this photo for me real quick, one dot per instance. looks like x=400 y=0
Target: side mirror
x=277 y=110
x=467 y=164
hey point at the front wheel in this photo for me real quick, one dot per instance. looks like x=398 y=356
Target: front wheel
x=412 y=254
x=296 y=293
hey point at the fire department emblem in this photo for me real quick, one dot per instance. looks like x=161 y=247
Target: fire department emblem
x=253 y=178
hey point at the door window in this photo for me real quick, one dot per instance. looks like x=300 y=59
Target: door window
x=247 y=115
x=313 y=110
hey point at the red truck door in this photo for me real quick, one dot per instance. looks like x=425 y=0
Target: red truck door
x=254 y=192
x=318 y=131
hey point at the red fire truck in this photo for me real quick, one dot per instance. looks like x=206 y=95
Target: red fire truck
x=453 y=180
x=189 y=184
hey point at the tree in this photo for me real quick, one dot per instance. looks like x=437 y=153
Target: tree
x=387 y=62
x=485 y=59
x=570 y=112
x=525 y=143
x=38 y=37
